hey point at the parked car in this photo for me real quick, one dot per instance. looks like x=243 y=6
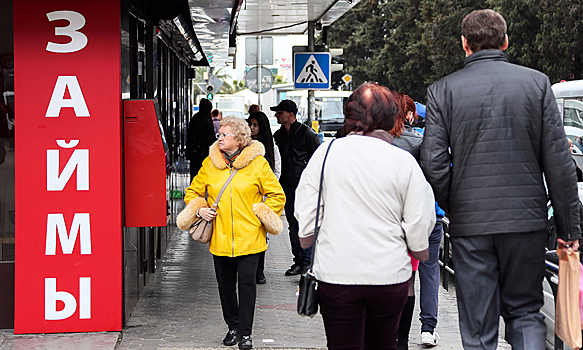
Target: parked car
x=569 y=97
x=551 y=280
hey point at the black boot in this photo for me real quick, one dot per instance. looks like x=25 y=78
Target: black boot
x=405 y=324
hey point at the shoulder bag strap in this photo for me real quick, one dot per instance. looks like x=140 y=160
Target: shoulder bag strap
x=317 y=228
x=216 y=203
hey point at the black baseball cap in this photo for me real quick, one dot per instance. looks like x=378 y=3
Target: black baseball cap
x=287 y=106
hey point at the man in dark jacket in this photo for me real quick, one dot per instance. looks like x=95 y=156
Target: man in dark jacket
x=200 y=135
x=296 y=143
x=492 y=131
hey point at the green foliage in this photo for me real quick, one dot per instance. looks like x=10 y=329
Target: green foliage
x=407 y=45
x=278 y=79
x=546 y=35
x=239 y=85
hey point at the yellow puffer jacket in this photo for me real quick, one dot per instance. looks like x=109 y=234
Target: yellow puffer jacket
x=243 y=218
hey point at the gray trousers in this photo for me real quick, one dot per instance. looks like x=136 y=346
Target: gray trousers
x=500 y=274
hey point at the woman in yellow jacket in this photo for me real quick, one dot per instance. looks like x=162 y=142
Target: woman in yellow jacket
x=240 y=222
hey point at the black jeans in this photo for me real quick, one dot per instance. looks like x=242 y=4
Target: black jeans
x=301 y=256
x=229 y=271
x=500 y=274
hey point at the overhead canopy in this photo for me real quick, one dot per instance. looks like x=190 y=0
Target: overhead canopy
x=217 y=21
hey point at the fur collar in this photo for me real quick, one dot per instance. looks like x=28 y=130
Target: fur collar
x=248 y=153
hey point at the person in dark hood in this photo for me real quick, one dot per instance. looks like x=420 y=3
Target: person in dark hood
x=200 y=135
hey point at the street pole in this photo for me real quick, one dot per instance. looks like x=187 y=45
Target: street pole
x=311 y=97
x=259 y=71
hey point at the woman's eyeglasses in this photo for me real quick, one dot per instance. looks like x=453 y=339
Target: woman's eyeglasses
x=223 y=135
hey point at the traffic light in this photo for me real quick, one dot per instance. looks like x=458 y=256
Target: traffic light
x=335 y=67
x=209 y=92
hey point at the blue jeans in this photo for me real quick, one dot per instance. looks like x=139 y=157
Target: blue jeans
x=429 y=281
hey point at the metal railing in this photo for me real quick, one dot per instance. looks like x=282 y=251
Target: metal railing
x=445 y=260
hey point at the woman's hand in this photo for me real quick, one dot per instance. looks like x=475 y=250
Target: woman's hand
x=207 y=213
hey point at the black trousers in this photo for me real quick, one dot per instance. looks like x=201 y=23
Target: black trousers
x=362 y=317
x=242 y=269
x=302 y=257
x=500 y=274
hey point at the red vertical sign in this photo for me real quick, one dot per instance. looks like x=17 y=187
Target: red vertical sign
x=68 y=166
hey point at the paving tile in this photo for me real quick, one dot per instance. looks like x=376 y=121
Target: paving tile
x=180 y=309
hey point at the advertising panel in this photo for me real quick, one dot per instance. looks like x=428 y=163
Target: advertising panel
x=68 y=273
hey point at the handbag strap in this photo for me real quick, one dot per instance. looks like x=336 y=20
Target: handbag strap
x=317 y=228
x=216 y=203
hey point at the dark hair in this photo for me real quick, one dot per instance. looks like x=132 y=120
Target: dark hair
x=406 y=105
x=264 y=136
x=370 y=107
x=253 y=108
x=484 y=29
x=215 y=113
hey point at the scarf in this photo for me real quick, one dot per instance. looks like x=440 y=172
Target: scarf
x=231 y=158
x=377 y=133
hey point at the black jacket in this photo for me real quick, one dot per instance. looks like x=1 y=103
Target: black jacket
x=492 y=130
x=296 y=149
x=200 y=135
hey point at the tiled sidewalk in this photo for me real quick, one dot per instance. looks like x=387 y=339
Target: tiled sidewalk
x=179 y=309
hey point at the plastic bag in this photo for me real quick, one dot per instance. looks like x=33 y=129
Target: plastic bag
x=581 y=293
x=567 y=312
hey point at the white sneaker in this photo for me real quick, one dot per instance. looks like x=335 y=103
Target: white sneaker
x=428 y=339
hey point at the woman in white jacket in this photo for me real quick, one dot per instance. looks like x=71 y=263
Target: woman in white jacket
x=261 y=131
x=376 y=207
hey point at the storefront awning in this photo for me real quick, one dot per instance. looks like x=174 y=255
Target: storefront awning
x=216 y=21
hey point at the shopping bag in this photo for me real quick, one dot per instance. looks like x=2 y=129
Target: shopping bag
x=567 y=313
x=581 y=293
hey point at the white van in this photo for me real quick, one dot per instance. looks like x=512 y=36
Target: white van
x=329 y=108
x=569 y=97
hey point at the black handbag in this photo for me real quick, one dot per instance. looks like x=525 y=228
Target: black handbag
x=308 y=287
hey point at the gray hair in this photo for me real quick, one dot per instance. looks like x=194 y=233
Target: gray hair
x=240 y=128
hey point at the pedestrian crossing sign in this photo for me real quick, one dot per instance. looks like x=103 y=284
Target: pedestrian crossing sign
x=312 y=70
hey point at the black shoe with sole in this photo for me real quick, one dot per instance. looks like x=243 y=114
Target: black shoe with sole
x=245 y=342
x=294 y=270
x=260 y=278
x=231 y=338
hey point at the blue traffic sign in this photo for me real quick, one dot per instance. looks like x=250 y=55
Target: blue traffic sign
x=312 y=70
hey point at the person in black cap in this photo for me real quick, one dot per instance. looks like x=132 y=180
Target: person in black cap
x=296 y=143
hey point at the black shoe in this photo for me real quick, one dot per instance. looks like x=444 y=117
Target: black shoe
x=305 y=269
x=245 y=342
x=231 y=338
x=294 y=270
x=260 y=278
